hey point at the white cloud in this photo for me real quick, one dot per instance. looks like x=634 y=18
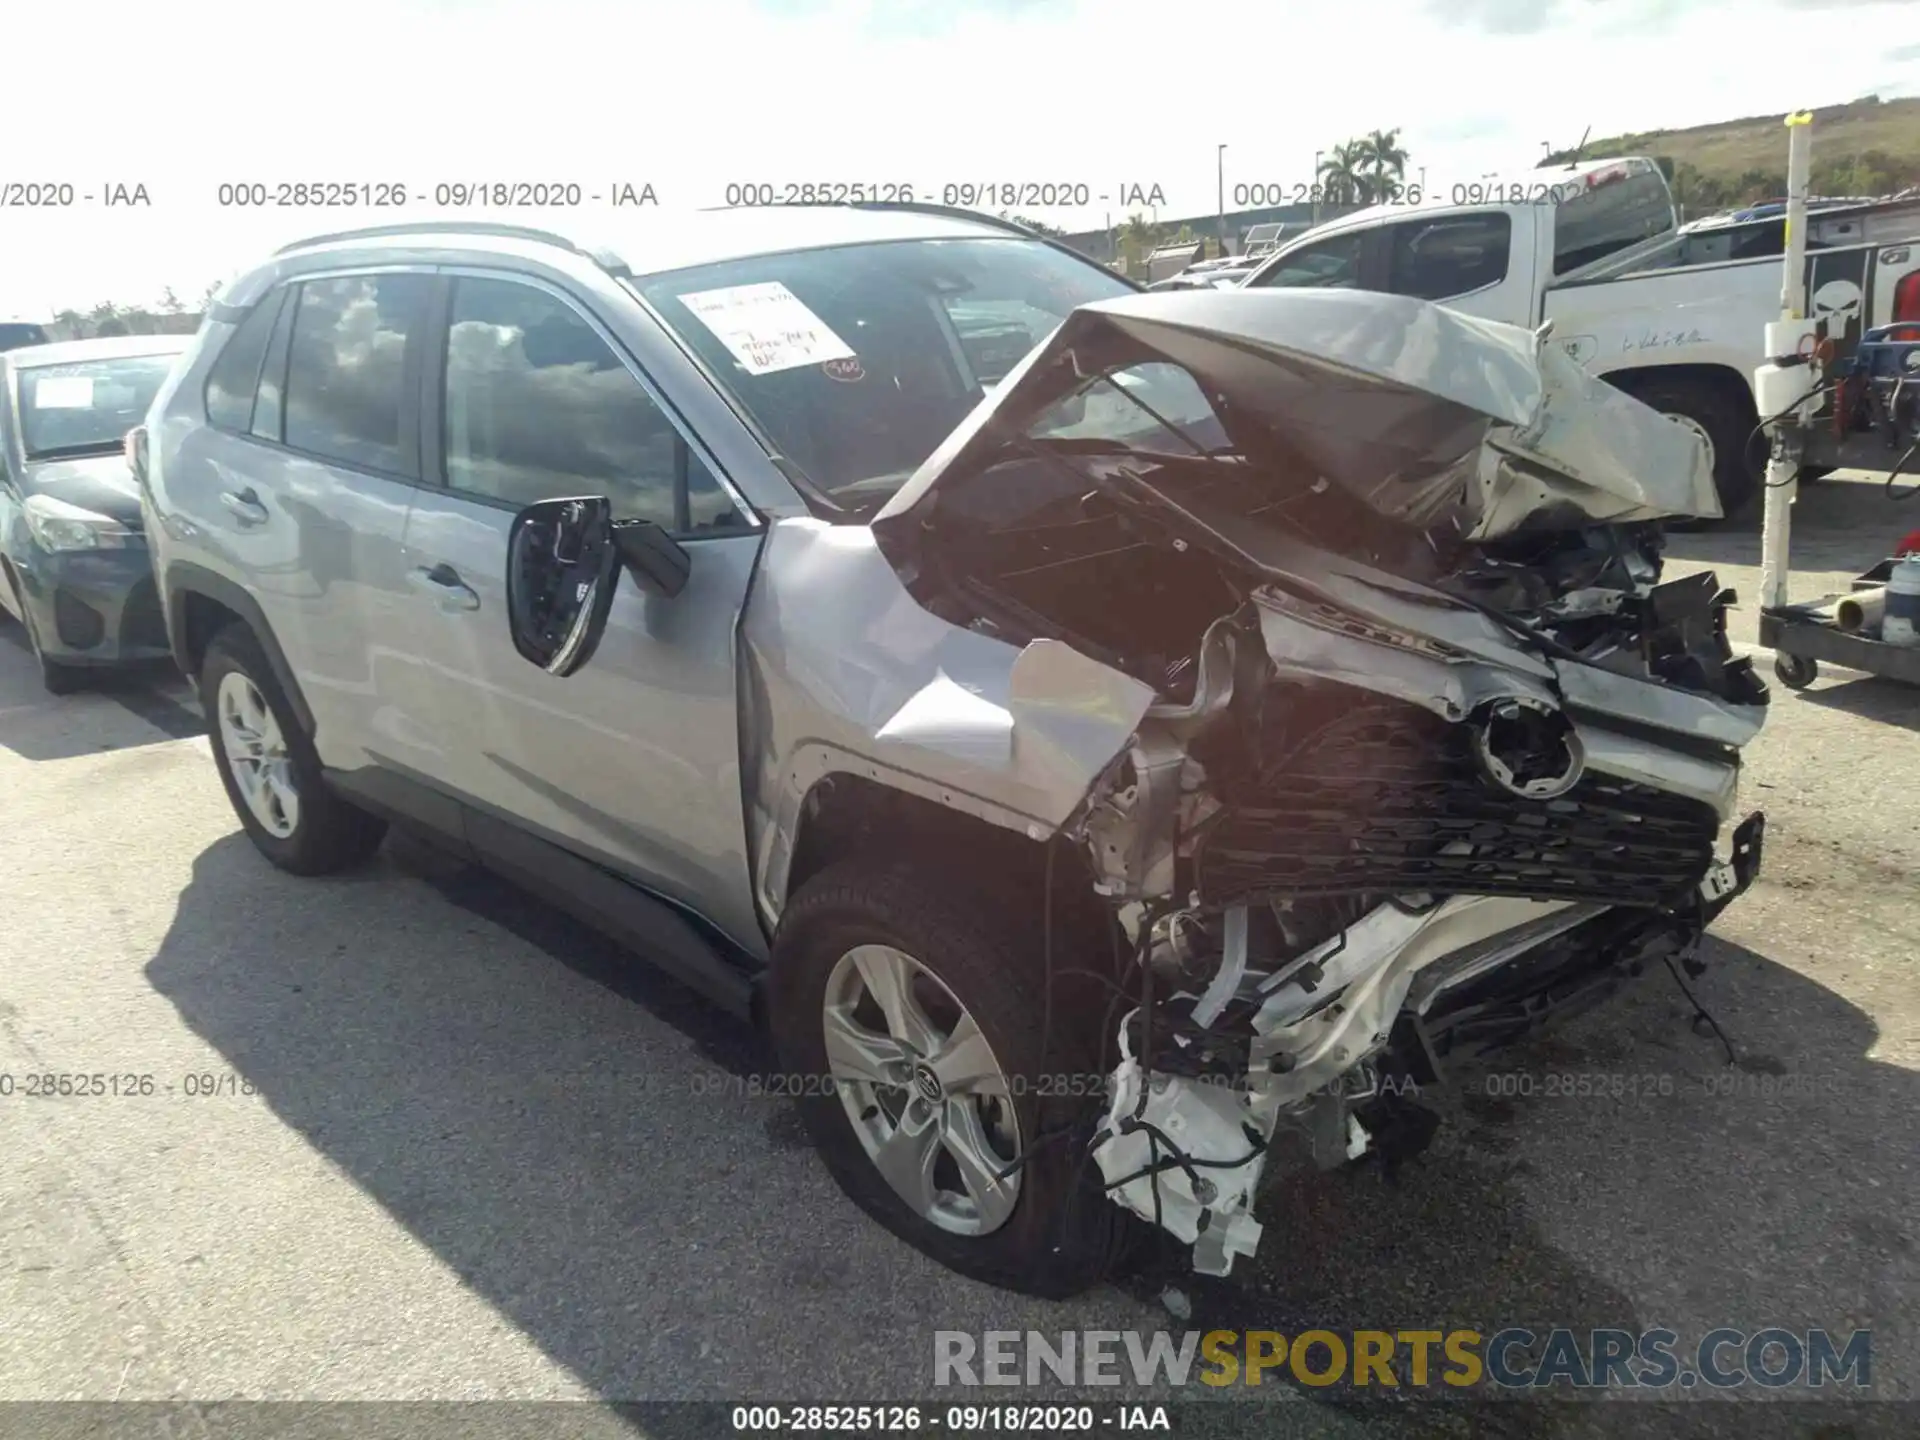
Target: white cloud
x=688 y=97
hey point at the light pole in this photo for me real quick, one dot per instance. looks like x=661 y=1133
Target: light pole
x=1220 y=164
x=1314 y=191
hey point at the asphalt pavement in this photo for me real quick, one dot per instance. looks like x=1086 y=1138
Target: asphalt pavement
x=407 y=1135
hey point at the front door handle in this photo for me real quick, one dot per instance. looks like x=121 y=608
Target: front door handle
x=244 y=506
x=443 y=582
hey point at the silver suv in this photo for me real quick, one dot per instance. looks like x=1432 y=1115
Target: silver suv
x=1102 y=776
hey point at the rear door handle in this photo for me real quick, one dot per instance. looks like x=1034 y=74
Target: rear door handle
x=443 y=582
x=244 y=506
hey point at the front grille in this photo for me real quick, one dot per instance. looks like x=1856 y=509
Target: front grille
x=142 y=623
x=1387 y=800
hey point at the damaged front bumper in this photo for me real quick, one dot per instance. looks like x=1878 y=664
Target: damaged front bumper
x=1338 y=1037
x=1436 y=836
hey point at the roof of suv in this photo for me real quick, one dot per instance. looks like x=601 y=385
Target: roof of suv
x=654 y=244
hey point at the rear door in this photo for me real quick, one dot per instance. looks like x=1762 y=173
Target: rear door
x=633 y=761
x=340 y=393
x=300 y=482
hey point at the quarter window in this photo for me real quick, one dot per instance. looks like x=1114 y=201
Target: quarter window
x=1438 y=259
x=230 y=384
x=538 y=406
x=346 y=377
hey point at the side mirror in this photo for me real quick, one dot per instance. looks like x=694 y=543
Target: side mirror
x=562 y=567
x=658 y=563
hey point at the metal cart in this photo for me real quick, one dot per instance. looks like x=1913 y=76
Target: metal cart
x=1790 y=388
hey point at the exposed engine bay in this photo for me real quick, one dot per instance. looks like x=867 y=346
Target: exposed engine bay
x=1436 y=753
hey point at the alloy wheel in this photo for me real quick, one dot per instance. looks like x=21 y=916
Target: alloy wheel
x=257 y=753
x=1693 y=426
x=923 y=1090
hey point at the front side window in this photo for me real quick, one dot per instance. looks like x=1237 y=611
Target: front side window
x=539 y=407
x=1332 y=264
x=856 y=361
x=346 y=375
x=1439 y=259
x=86 y=407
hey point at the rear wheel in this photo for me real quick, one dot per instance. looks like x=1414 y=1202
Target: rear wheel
x=270 y=769
x=911 y=1026
x=1709 y=412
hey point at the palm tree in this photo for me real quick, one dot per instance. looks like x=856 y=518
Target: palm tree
x=1141 y=231
x=1385 y=160
x=1344 y=178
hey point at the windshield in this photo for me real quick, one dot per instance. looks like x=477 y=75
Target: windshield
x=857 y=361
x=86 y=405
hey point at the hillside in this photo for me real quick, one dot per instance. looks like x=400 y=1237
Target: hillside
x=1870 y=147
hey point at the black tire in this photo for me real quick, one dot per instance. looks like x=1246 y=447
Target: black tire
x=58 y=679
x=1796 y=672
x=1063 y=1234
x=61 y=679
x=1728 y=425
x=330 y=834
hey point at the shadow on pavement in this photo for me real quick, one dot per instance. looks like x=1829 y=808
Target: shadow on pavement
x=545 y=1140
x=40 y=726
x=1870 y=698
x=1839 y=524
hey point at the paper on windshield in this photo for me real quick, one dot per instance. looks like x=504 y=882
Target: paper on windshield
x=64 y=392
x=767 y=327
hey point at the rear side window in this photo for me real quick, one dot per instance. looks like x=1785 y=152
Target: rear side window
x=1439 y=259
x=346 y=372
x=1610 y=216
x=231 y=382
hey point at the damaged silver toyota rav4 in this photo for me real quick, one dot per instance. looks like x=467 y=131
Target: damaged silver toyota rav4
x=1108 y=739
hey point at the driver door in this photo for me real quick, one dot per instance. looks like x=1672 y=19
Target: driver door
x=634 y=761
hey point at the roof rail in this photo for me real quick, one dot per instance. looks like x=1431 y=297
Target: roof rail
x=457 y=227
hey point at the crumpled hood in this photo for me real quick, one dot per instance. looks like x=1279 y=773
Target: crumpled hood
x=100 y=483
x=1428 y=416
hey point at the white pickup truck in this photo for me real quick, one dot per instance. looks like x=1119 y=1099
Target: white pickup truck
x=1675 y=317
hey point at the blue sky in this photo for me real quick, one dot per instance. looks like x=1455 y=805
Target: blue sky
x=690 y=96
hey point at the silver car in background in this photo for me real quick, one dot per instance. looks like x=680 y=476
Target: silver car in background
x=1100 y=775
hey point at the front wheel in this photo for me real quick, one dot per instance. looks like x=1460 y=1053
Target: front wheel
x=55 y=677
x=911 y=1028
